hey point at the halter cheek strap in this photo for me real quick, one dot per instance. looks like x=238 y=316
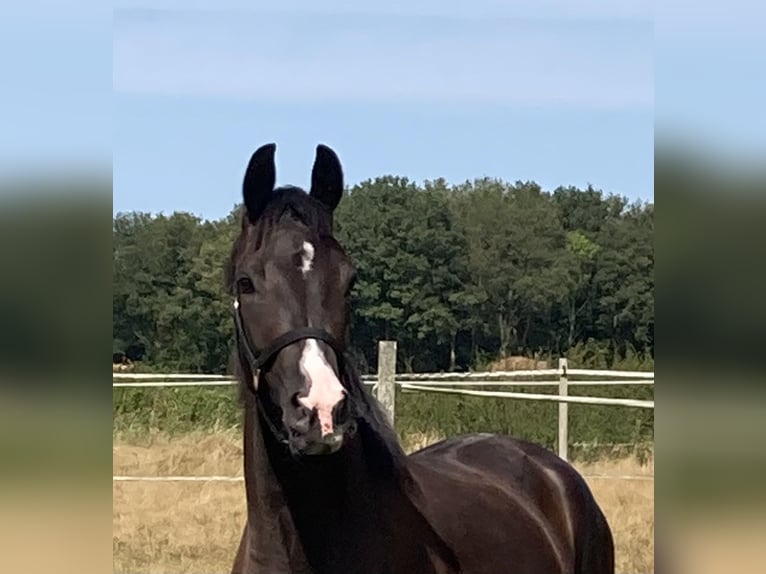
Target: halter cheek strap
x=262 y=361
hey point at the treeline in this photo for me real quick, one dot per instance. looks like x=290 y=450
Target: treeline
x=458 y=275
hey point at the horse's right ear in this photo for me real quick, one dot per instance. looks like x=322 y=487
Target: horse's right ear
x=260 y=177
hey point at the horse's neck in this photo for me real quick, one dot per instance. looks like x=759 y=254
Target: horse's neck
x=270 y=543
x=334 y=511
x=338 y=508
x=351 y=510
x=347 y=513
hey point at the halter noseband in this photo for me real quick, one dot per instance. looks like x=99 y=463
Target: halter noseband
x=262 y=361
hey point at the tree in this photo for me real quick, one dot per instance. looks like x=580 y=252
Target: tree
x=515 y=243
x=407 y=252
x=456 y=274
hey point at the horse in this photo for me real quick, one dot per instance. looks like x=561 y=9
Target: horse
x=329 y=488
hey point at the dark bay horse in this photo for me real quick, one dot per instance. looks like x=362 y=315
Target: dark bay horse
x=328 y=487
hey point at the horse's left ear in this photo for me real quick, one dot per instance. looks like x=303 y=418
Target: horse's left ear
x=327 y=177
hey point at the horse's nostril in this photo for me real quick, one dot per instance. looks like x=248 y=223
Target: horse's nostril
x=342 y=411
x=301 y=425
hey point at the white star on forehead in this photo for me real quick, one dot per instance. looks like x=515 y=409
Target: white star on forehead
x=307 y=257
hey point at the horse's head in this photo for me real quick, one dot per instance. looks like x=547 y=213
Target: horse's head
x=291 y=282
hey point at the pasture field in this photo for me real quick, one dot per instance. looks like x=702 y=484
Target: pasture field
x=193 y=527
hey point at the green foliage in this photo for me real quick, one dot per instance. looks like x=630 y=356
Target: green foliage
x=411 y=266
x=458 y=275
x=170 y=309
x=175 y=411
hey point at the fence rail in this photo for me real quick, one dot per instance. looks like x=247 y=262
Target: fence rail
x=386 y=380
x=491 y=377
x=535 y=396
x=241 y=478
x=170 y=382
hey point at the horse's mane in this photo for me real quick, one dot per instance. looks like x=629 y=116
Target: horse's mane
x=375 y=425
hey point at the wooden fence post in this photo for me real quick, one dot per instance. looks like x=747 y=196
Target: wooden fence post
x=386 y=387
x=563 y=410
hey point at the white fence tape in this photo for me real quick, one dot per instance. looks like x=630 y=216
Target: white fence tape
x=177 y=478
x=240 y=478
x=156 y=384
x=488 y=375
x=165 y=376
x=491 y=379
x=535 y=396
x=176 y=384
x=495 y=383
x=471 y=383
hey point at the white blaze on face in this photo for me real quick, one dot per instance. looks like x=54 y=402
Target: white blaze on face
x=307 y=258
x=325 y=390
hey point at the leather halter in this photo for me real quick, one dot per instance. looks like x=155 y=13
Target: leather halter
x=262 y=360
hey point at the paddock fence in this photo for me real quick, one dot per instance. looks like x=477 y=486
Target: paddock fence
x=385 y=381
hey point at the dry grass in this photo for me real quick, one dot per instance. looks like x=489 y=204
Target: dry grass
x=629 y=509
x=171 y=527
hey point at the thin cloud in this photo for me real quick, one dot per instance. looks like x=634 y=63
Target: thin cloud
x=558 y=9
x=361 y=59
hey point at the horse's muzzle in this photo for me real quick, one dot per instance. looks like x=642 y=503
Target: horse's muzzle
x=314 y=443
x=327 y=444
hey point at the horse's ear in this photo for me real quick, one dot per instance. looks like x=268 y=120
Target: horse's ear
x=260 y=177
x=327 y=177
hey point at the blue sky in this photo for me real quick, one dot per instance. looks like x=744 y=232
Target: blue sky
x=55 y=67
x=555 y=91
x=531 y=91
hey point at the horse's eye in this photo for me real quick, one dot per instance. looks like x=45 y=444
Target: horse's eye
x=245 y=285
